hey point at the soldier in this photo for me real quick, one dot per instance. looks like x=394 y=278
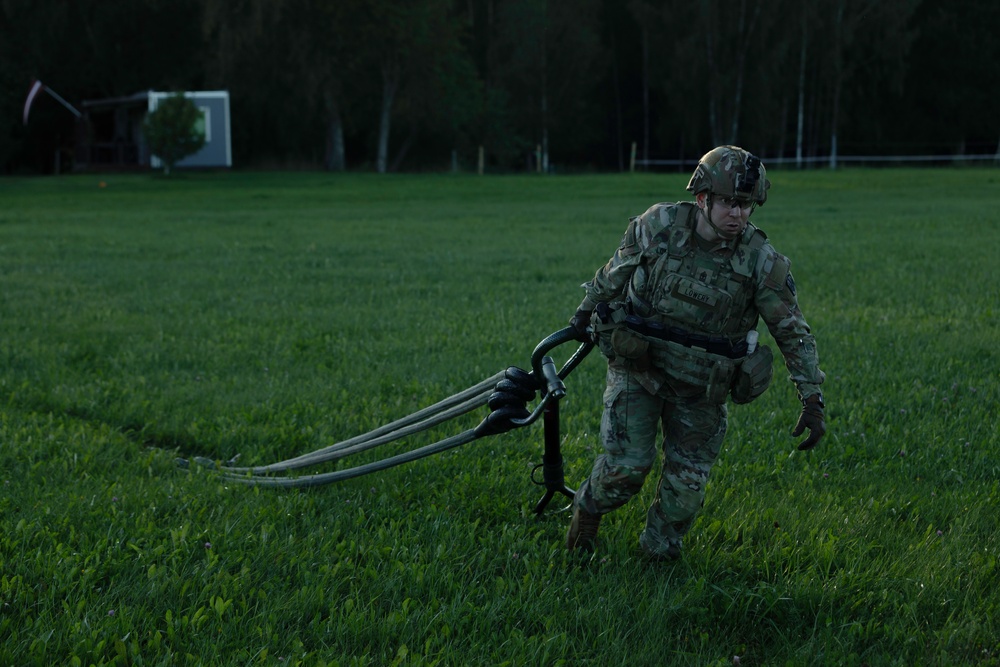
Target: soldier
x=675 y=311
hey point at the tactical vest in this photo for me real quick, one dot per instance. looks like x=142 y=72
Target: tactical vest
x=681 y=285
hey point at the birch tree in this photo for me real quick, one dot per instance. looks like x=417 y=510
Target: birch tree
x=863 y=32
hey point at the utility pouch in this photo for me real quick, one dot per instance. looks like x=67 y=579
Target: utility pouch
x=607 y=322
x=718 y=382
x=754 y=375
x=604 y=344
x=628 y=344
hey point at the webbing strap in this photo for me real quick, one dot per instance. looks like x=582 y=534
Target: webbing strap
x=357 y=471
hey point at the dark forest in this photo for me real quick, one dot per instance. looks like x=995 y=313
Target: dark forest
x=572 y=85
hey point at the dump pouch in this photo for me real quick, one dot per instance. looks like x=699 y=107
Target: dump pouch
x=754 y=375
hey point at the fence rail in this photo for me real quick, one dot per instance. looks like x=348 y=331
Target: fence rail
x=834 y=161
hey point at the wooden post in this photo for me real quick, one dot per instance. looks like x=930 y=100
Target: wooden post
x=631 y=162
x=538 y=158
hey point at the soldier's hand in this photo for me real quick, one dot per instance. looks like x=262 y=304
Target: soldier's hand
x=812 y=419
x=580 y=321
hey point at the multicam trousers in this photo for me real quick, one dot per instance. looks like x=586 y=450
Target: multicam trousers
x=693 y=431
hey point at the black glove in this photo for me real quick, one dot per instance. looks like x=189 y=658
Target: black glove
x=580 y=321
x=812 y=419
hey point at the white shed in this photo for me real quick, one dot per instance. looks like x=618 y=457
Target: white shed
x=110 y=132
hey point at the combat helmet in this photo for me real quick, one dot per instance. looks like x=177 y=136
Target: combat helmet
x=730 y=171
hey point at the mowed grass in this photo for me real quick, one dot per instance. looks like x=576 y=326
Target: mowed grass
x=268 y=315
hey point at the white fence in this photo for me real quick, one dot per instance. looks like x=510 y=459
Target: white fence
x=833 y=161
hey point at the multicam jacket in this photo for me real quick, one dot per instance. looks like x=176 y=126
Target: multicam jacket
x=665 y=273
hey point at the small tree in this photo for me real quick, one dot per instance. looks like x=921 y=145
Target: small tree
x=172 y=130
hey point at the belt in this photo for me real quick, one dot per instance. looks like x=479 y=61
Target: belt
x=710 y=344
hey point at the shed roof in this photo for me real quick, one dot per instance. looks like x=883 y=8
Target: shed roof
x=127 y=100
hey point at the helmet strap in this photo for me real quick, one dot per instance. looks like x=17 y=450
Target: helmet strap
x=707 y=212
x=709 y=202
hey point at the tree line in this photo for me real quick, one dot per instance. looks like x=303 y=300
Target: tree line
x=388 y=85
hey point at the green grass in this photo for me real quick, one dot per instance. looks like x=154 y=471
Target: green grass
x=268 y=315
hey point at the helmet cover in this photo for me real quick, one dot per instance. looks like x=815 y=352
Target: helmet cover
x=730 y=171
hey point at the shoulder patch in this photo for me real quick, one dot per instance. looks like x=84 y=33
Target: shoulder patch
x=790 y=283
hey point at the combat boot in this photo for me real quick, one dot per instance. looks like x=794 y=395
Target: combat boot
x=671 y=552
x=582 y=532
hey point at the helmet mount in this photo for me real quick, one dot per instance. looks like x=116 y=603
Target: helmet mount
x=747 y=181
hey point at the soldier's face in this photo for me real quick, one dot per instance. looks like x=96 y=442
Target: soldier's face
x=728 y=216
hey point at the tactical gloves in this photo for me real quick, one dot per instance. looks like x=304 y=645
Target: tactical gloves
x=580 y=321
x=812 y=419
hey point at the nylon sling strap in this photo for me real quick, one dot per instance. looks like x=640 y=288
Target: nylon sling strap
x=504 y=392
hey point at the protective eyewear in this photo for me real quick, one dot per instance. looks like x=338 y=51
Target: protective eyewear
x=730 y=202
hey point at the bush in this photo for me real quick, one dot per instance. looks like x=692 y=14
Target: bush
x=172 y=132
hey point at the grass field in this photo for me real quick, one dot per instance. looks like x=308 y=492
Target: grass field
x=268 y=315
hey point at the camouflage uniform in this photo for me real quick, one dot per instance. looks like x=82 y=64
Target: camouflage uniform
x=690 y=304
